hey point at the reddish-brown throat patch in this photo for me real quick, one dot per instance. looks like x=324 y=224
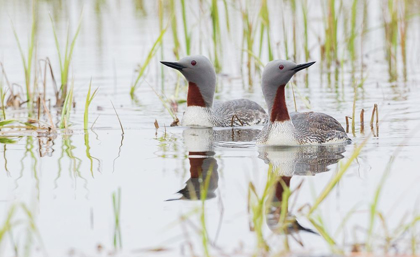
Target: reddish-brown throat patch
x=194 y=97
x=279 y=111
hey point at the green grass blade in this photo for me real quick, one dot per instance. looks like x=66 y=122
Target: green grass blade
x=343 y=168
x=22 y=55
x=186 y=34
x=57 y=44
x=152 y=52
x=65 y=113
x=89 y=99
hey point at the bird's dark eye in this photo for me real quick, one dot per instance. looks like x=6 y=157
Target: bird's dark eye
x=281 y=67
x=193 y=62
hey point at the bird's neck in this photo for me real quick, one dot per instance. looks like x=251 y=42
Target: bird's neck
x=194 y=96
x=279 y=110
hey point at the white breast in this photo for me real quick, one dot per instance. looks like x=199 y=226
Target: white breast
x=197 y=116
x=281 y=133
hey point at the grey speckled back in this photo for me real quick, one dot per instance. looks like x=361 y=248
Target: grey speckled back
x=240 y=112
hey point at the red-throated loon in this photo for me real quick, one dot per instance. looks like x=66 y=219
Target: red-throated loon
x=201 y=111
x=307 y=128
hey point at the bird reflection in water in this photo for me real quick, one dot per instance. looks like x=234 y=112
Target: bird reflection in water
x=203 y=173
x=295 y=161
x=200 y=142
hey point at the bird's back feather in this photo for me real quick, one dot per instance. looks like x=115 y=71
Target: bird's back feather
x=240 y=112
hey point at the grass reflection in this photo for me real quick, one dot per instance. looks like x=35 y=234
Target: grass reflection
x=89 y=156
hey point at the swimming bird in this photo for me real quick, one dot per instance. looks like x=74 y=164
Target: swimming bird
x=201 y=111
x=307 y=128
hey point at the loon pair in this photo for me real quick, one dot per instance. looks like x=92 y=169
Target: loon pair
x=280 y=127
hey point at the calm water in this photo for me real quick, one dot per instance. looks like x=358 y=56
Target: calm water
x=67 y=181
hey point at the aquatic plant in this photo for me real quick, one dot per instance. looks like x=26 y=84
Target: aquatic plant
x=118 y=117
x=28 y=60
x=305 y=28
x=265 y=27
x=187 y=35
x=164 y=102
x=248 y=38
x=285 y=42
x=67 y=106
x=257 y=208
x=122 y=137
x=174 y=27
x=403 y=28
x=294 y=32
x=337 y=177
x=351 y=40
x=390 y=21
x=139 y=5
x=330 y=46
x=116 y=204
x=203 y=196
x=13 y=222
x=7 y=224
x=216 y=35
x=65 y=63
x=2 y=97
x=146 y=62
x=353 y=117
x=88 y=155
x=89 y=99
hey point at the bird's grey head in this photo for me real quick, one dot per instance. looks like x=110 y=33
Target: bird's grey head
x=199 y=72
x=277 y=73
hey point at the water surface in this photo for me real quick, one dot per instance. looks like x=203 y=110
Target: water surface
x=68 y=180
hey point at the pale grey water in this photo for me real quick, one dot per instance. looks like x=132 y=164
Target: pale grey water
x=72 y=205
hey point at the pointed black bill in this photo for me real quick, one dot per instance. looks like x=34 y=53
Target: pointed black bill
x=173 y=65
x=302 y=66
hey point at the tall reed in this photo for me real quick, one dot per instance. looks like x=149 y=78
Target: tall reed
x=174 y=27
x=285 y=36
x=404 y=13
x=257 y=208
x=351 y=41
x=305 y=28
x=216 y=35
x=67 y=106
x=355 y=96
x=331 y=26
x=89 y=99
x=248 y=39
x=294 y=32
x=28 y=60
x=146 y=62
x=2 y=98
x=187 y=35
x=65 y=63
x=204 y=187
x=390 y=21
x=265 y=27
x=116 y=204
